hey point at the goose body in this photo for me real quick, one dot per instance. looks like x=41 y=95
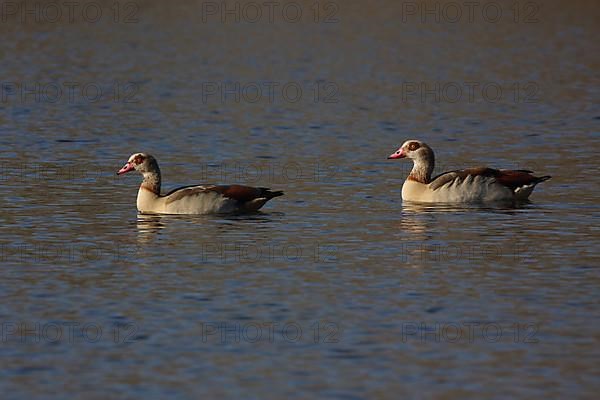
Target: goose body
x=199 y=199
x=469 y=185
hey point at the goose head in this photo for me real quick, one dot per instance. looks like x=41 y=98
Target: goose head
x=142 y=162
x=422 y=156
x=413 y=149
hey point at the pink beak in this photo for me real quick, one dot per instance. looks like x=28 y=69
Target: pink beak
x=398 y=154
x=126 y=168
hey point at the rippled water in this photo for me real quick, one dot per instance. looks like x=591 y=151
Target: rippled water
x=338 y=289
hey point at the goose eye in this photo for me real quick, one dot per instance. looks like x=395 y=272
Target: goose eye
x=413 y=146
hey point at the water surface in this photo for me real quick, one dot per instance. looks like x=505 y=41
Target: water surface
x=338 y=289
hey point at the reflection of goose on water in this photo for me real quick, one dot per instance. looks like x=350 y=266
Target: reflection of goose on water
x=209 y=199
x=150 y=223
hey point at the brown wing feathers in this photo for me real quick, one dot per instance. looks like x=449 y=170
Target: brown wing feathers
x=245 y=194
x=239 y=193
x=512 y=179
x=518 y=178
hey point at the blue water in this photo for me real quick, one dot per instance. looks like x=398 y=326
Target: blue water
x=338 y=289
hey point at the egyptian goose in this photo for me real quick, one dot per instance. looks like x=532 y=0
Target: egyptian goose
x=199 y=199
x=461 y=186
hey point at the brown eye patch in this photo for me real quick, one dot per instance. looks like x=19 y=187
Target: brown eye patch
x=413 y=146
x=138 y=159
